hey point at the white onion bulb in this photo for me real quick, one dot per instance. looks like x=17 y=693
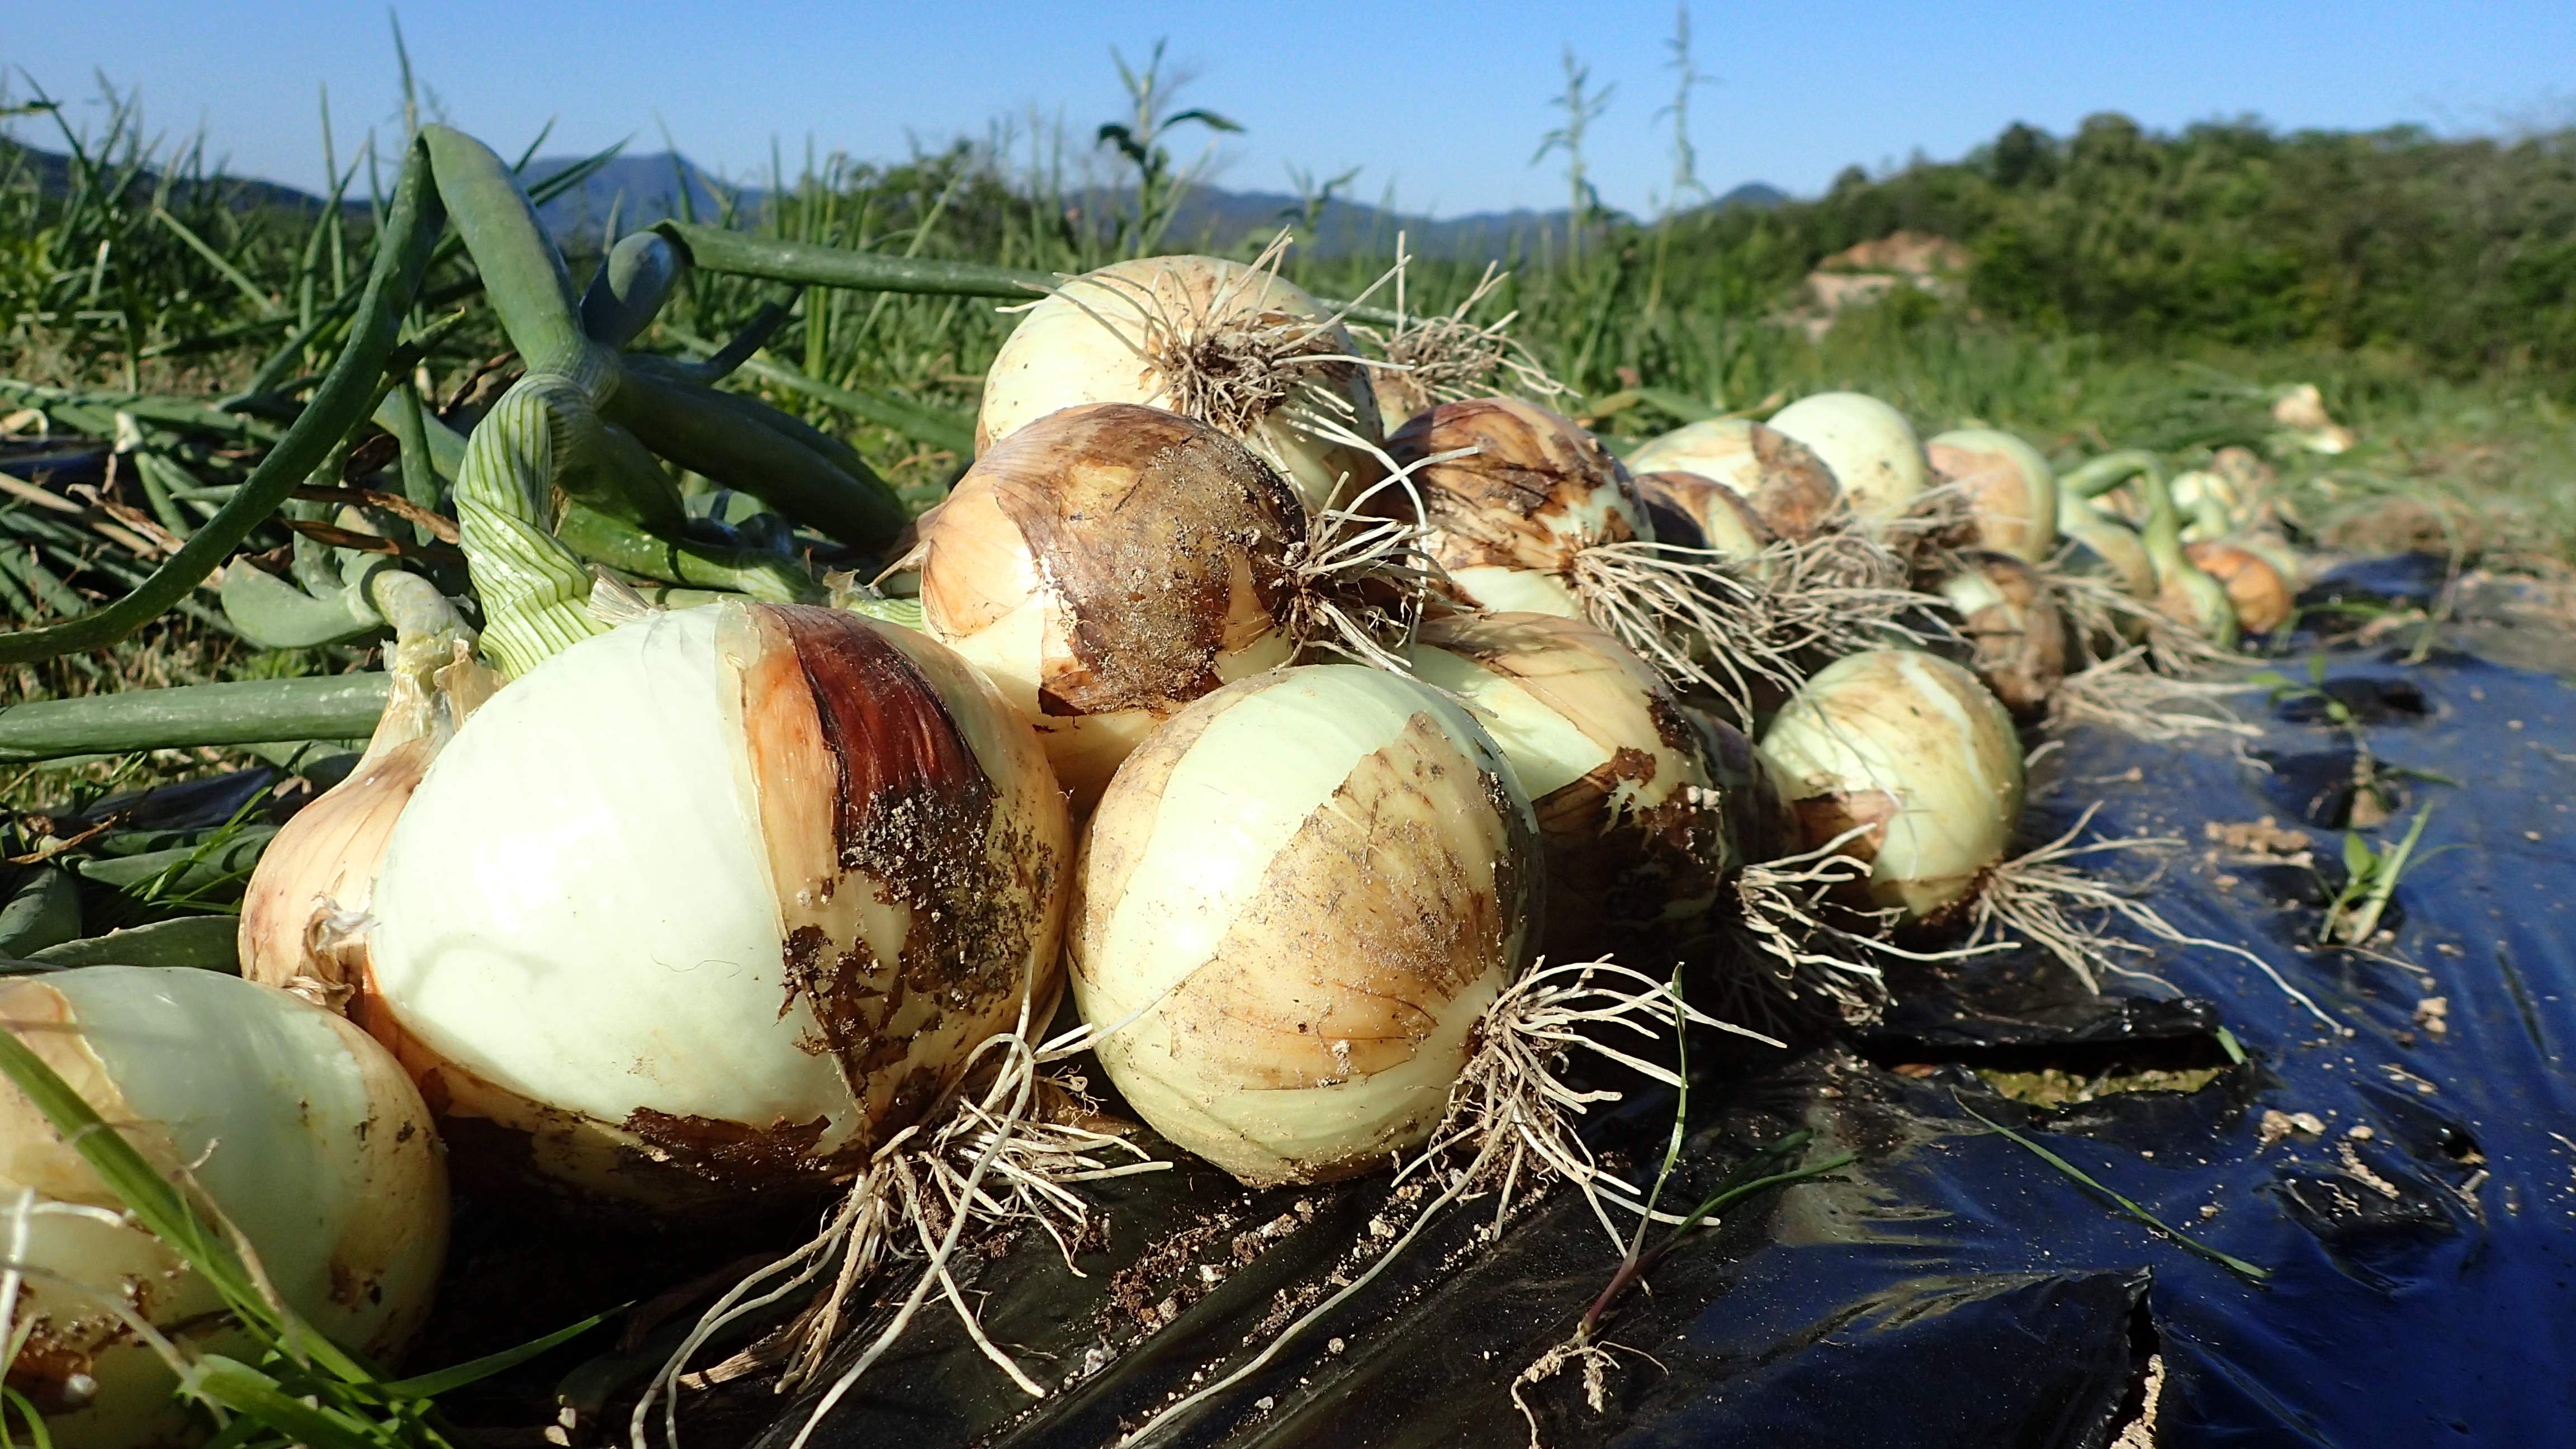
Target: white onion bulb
x=1106 y=565
x=2009 y=489
x=712 y=903
x=1787 y=486
x=1914 y=748
x=304 y=1133
x=1310 y=884
x=1628 y=811
x=1510 y=520
x=1229 y=344
x=1870 y=447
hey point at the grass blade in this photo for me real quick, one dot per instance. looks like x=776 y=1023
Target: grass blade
x=2233 y=1264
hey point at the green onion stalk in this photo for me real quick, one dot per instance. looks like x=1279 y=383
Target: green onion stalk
x=2185 y=594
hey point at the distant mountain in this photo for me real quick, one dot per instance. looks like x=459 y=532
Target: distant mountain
x=642 y=189
x=53 y=176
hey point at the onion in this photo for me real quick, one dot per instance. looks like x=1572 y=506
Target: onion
x=2014 y=627
x=1788 y=487
x=1690 y=511
x=1760 y=824
x=1296 y=900
x=1511 y=521
x=2009 y=490
x=1870 y=447
x=321 y=867
x=714 y=902
x=1628 y=812
x=303 y=1133
x=1106 y=565
x=2104 y=547
x=2255 y=586
x=1913 y=749
x=1222 y=342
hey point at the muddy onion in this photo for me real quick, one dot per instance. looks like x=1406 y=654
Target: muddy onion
x=1230 y=344
x=1106 y=565
x=1782 y=480
x=713 y=902
x=1298 y=897
x=301 y=1130
x=1870 y=447
x=2012 y=625
x=1628 y=812
x=2009 y=489
x=1509 y=521
x=1913 y=748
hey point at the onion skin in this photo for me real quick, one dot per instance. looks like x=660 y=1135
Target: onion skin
x=1539 y=491
x=2015 y=628
x=304 y=1132
x=1870 y=447
x=1088 y=343
x=1628 y=810
x=1788 y=487
x=2254 y=585
x=1912 y=747
x=1333 y=873
x=2010 y=490
x=1709 y=515
x=1030 y=570
x=707 y=906
x=1760 y=823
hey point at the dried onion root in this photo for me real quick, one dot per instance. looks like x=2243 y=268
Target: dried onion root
x=1446 y=358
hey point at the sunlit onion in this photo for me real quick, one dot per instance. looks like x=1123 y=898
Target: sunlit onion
x=1228 y=344
x=1702 y=514
x=1106 y=565
x=1511 y=521
x=710 y=904
x=1628 y=812
x=300 y=1130
x=2009 y=491
x=1296 y=900
x=2012 y=626
x=1914 y=751
x=1787 y=486
x=1869 y=446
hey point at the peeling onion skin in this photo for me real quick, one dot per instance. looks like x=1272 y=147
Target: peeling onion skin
x=1629 y=815
x=2010 y=490
x=1912 y=746
x=1540 y=491
x=707 y=906
x=2014 y=628
x=1787 y=486
x=1106 y=565
x=1063 y=355
x=303 y=1131
x=1334 y=872
x=1870 y=447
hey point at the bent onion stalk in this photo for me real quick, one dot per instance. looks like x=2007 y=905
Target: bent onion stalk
x=823 y=843
x=1229 y=344
x=286 y=1128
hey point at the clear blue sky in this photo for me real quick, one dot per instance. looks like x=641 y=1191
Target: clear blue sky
x=1445 y=100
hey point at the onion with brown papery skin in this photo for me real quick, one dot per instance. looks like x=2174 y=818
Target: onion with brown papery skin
x=2014 y=627
x=1229 y=344
x=1719 y=517
x=1787 y=486
x=707 y=907
x=1297 y=901
x=1510 y=520
x=1628 y=809
x=2262 y=597
x=1106 y=565
x=2009 y=491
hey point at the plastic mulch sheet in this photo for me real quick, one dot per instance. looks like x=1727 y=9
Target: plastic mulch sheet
x=2406 y=1178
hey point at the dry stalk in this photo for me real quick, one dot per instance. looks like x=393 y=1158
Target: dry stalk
x=2122 y=693
x=1447 y=358
x=982 y=1159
